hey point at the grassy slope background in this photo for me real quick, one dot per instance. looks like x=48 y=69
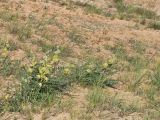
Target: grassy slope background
x=105 y=58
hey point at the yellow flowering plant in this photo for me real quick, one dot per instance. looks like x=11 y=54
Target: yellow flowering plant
x=96 y=73
x=41 y=71
x=46 y=77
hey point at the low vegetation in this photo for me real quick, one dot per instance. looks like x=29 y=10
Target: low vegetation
x=78 y=60
x=155 y=25
x=133 y=10
x=42 y=80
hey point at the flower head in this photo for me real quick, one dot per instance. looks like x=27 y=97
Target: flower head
x=55 y=58
x=91 y=66
x=38 y=76
x=30 y=70
x=46 y=78
x=5 y=52
x=6 y=96
x=67 y=71
x=88 y=71
x=40 y=84
x=105 y=65
x=110 y=61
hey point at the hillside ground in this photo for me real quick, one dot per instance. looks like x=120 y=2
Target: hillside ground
x=79 y=60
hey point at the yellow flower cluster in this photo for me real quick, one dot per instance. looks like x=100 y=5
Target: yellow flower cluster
x=109 y=62
x=33 y=63
x=67 y=71
x=6 y=96
x=5 y=52
x=5 y=48
x=43 y=69
x=43 y=72
x=103 y=66
x=90 y=67
x=68 y=68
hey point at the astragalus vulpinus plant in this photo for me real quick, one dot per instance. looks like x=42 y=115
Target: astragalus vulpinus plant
x=96 y=73
x=45 y=78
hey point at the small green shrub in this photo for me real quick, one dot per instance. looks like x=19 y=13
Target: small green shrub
x=23 y=31
x=94 y=10
x=118 y=50
x=13 y=27
x=95 y=74
x=9 y=45
x=97 y=99
x=137 y=62
x=138 y=46
x=75 y=37
x=44 y=46
x=8 y=16
x=142 y=12
x=119 y=104
x=155 y=25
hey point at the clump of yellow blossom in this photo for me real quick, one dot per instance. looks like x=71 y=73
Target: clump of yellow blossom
x=68 y=68
x=105 y=65
x=67 y=71
x=5 y=52
x=88 y=70
x=42 y=70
